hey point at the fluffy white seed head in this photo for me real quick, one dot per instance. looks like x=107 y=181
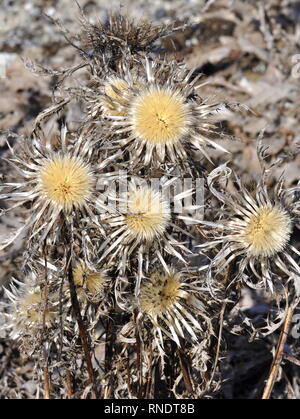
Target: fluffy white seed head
x=160 y=293
x=148 y=213
x=159 y=115
x=66 y=181
x=89 y=283
x=268 y=231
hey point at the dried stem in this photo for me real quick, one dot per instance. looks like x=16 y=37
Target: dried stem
x=108 y=345
x=292 y=359
x=128 y=373
x=108 y=356
x=273 y=374
x=69 y=384
x=149 y=381
x=185 y=371
x=45 y=294
x=138 y=357
x=217 y=357
x=221 y=324
x=81 y=326
x=46 y=382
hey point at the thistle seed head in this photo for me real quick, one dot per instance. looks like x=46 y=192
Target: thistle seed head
x=254 y=231
x=113 y=89
x=268 y=231
x=29 y=308
x=66 y=181
x=89 y=283
x=148 y=214
x=159 y=115
x=160 y=293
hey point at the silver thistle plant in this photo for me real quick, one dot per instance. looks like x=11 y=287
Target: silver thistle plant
x=121 y=299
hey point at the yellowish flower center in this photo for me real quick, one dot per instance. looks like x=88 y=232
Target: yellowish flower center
x=268 y=232
x=160 y=293
x=91 y=280
x=148 y=214
x=30 y=305
x=112 y=86
x=31 y=298
x=159 y=116
x=66 y=181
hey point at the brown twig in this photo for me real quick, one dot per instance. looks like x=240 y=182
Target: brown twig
x=185 y=371
x=149 y=380
x=46 y=382
x=221 y=325
x=292 y=359
x=128 y=373
x=69 y=384
x=81 y=326
x=138 y=357
x=278 y=354
x=109 y=341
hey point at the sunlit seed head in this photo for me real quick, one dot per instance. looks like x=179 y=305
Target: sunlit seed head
x=93 y=282
x=148 y=213
x=30 y=298
x=159 y=116
x=112 y=87
x=66 y=181
x=268 y=232
x=160 y=293
x=31 y=309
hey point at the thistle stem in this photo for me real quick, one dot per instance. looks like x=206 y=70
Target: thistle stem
x=81 y=326
x=273 y=374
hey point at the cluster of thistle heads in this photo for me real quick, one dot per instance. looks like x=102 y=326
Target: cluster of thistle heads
x=120 y=291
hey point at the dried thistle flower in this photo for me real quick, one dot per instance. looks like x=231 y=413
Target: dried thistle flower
x=165 y=299
x=53 y=180
x=255 y=231
x=267 y=231
x=89 y=283
x=172 y=302
x=148 y=214
x=107 y=42
x=29 y=312
x=145 y=224
x=65 y=181
x=161 y=117
x=113 y=90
